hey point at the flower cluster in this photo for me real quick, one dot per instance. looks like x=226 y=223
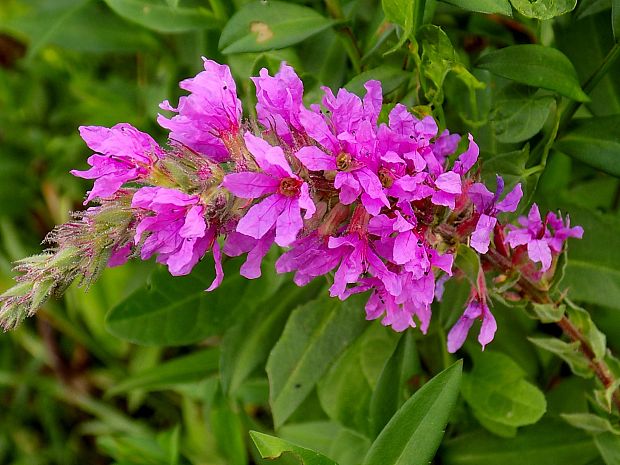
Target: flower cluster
x=381 y=204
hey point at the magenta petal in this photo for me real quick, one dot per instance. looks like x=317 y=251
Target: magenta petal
x=194 y=225
x=269 y=158
x=219 y=271
x=487 y=329
x=349 y=187
x=538 y=250
x=511 y=201
x=481 y=197
x=262 y=217
x=467 y=159
x=404 y=247
x=481 y=236
x=458 y=333
x=449 y=182
x=313 y=158
x=251 y=268
x=250 y=185
x=305 y=201
x=373 y=100
x=289 y=223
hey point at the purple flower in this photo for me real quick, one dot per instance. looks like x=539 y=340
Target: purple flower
x=237 y=244
x=123 y=154
x=542 y=241
x=210 y=113
x=279 y=100
x=476 y=308
x=288 y=194
x=177 y=231
x=489 y=206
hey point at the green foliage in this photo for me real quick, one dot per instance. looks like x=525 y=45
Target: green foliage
x=148 y=369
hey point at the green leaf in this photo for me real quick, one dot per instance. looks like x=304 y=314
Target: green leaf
x=185 y=369
x=345 y=391
x=413 y=434
x=511 y=165
x=271 y=447
x=519 y=112
x=615 y=19
x=548 y=313
x=609 y=446
x=569 y=352
x=549 y=442
x=164 y=18
x=401 y=13
x=260 y=26
x=537 y=66
x=391 y=78
x=543 y=9
x=484 y=6
x=438 y=59
x=341 y=444
x=497 y=388
x=590 y=423
x=177 y=310
x=592 y=335
x=594 y=141
x=314 y=336
x=228 y=430
x=246 y=345
x=387 y=397
x=468 y=262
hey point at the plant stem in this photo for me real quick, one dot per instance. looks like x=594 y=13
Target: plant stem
x=535 y=294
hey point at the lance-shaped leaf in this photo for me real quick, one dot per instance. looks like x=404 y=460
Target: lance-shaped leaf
x=413 y=434
x=271 y=447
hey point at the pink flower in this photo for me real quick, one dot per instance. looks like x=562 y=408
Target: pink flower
x=177 y=231
x=210 y=113
x=476 y=309
x=540 y=240
x=288 y=194
x=489 y=206
x=279 y=99
x=123 y=154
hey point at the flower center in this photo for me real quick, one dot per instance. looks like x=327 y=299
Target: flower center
x=343 y=161
x=290 y=187
x=386 y=178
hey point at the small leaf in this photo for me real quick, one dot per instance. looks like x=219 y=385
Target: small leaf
x=593 y=336
x=543 y=9
x=271 y=447
x=569 y=352
x=609 y=446
x=519 y=113
x=590 y=423
x=162 y=18
x=594 y=141
x=497 y=388
x=186 y=369
x=468 y=262
x=260 y=26
x=548 y=313
x=414 y=433
x=314 y=336
x=484 y=6
x=537 y=66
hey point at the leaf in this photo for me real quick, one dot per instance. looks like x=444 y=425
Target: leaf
x=345 y=391
x=260 y=26
x=543 y=9
x=185 y=369
x=387 y=397
x=594 y=141
x=246 y=345
x=468 y=262
x=228 y=430
x=590 y=423
x=154 y=15
x=314 y=336
x=413 y=434
x=271 y=447
x=403 y=14
x=438 y=59
x=609 y=446
x=594 y=337
x=496 y=387
x=391 y=78
x=484 y=6
x=177 y=310
x=519 y=113
x=548 y=313
x=615 y=19
x=549 y=442
x=511 y=166
x=569 y=352
x=341 y=444
x=537 y=66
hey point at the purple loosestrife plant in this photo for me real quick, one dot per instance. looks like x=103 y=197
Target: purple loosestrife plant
x=382 y=207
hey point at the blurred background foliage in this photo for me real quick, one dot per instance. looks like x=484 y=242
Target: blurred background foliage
x=75 y=389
